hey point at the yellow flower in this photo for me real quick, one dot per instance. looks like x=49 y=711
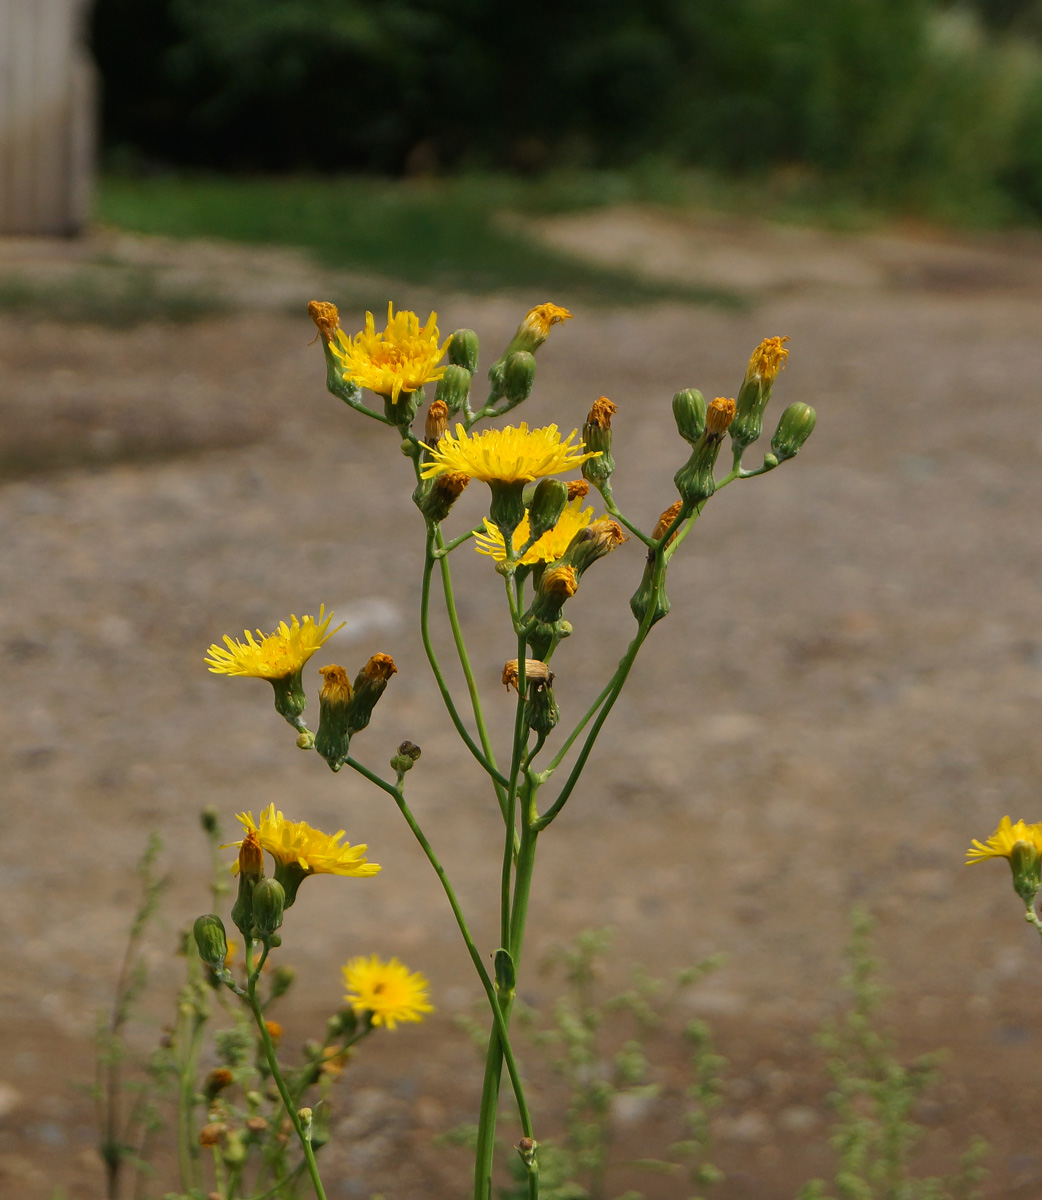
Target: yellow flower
x=300 y=851
x=400 y=359
x=1003 y=840
x=536 y=326
x=386 y=989
x=767 y=359
x=511 y=455
x=550 y=546
x=277 y=655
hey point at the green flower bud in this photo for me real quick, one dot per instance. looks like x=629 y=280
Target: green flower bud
x=210 y=820
x=795 y=426
x=544 y=636
x=283 y=978
x=290 y=700
x=1027 y=870
x=463 y=350
x=342 y=1025
x=556 y=585
x=233 y=1151
x=269 y=903
x=545 y=507
x=650 y=596
x=597 y=437
x=333 y=739
x=435 y=497
x=454 y=386
x=507 y=508
x=515 y=377
x=405 y=759
x=541 y=711
x=251 y=872
x=695 y=480
x=211 y=940
x=689 y=412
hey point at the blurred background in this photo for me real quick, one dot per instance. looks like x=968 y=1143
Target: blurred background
x=848 y=687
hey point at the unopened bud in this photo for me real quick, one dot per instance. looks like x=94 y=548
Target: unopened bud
x=282 y=980
x=211 y=940
x=650 y=596
x=342 y=1024
x=217 y=1080
x=689 y=412
x=437 y=422
x=210 y=820
x=326 y=318
x=517 y=377
x=527 y=1147
x=545 y=635
x=251 y=856
x=1027 y=870
x=541 y=711
x=545 y=507
x=269 y=903
x=405 y=758
x=555 y=586
x=453 y=388
x=597 y=439
x=695 y=480
x=233 y=1152
x=795 y=426
x=463 y=350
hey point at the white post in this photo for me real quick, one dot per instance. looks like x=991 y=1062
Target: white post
x=47 y=117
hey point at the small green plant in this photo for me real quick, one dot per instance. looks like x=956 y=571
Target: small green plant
x=599 y=1046
x=874 y=1097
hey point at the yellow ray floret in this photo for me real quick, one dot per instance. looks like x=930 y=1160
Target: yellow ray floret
x=277 y=655
x=388 y=990
x=1002 y=841
x=401 y=358
x=550 y=546
x=314 y=852
x=768 y=359
x=511 y=455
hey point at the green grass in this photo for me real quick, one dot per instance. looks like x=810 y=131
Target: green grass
x=447 y=233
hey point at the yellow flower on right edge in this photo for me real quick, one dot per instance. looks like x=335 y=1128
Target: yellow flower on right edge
x=388 y=990
x=1003 y=840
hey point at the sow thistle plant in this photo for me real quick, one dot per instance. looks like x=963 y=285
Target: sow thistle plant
x=542 y=536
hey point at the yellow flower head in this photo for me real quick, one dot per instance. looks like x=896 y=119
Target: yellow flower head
x=277 y=655
x=1003 y=840
x=511 y=455
x=387 y=990
x=296 y=844
x=400 y=359
x=768 y=359
x=540 y=320
x=550 y=546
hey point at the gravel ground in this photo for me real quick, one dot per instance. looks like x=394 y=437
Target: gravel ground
x=847 y=689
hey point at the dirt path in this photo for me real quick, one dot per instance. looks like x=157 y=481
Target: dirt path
x=847 y=690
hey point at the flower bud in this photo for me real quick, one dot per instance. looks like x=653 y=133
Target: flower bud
x=282 y=980
x=454 y=387
x=406 y=757
x=507 y=508
x=435 y=497
x=1027 y=870
x=463 y=350
x=211 y=940
x=370 y=684
x=795 y=426
x=541 y=711
x=689 y=412
x=665 y=522
x=210 y=820
x=251 y=871
x=556 y=585
x=766 y=361
x=536 y=326
x=695 y=480
x=545 y=507
x=333 y=740
x=437 y=422
x=326 y=318
x=233 y=1152
x=269 y=903
x=597 y=437
x=515 y=377
x=650 y=596
x=544 y=636
x=275 y=1031
x=592 y=543
x=210 y=1135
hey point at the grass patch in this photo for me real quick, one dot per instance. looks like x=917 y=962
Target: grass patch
x=445 y=233
x=117 y=298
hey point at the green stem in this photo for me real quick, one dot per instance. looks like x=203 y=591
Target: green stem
x=498 y=779
x=253 y=975
x=450 y=546
x=468 y=674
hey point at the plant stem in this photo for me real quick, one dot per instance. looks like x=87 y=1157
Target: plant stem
x=253 y=974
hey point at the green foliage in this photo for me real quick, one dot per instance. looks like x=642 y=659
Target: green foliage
x=875 y=1135
x=907 y=102
x=598 y=1045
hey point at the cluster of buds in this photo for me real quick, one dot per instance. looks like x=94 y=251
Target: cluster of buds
x=260 y=902
x=346 y=709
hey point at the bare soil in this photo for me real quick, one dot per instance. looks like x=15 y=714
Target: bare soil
x=847 y=690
